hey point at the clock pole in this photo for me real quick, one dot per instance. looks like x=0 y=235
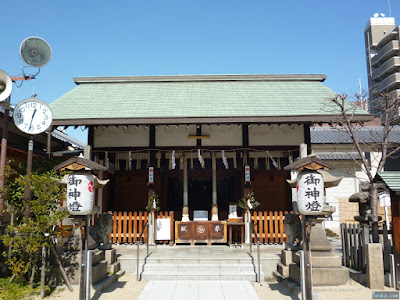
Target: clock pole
x=27 y=190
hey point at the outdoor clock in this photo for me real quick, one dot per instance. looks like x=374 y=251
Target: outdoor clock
x=32 y=116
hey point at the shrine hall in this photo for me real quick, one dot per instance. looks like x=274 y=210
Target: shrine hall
x=196 y=134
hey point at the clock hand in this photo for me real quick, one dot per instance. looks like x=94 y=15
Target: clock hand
x=33 y=115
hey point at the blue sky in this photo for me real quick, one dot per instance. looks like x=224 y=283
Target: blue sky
x=119 y=38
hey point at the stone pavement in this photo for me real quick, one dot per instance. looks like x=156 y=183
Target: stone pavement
x=198 y=290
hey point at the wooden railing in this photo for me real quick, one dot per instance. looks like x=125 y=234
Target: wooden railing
x=269 y=227
x=128 y=225
x=354 y=237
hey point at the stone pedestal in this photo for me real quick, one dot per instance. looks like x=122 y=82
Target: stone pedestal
x=327 y=269
x=375 y=273
x=318 y=239
x=214 y=212
x=185 y=214
x=151 y=229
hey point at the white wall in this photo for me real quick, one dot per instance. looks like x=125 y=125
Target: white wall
x=168 y=136
x=230 y=135
x=275 y=135
x=128 y=136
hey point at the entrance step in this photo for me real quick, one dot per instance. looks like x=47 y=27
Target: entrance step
x=199 y=271
x=192 y=263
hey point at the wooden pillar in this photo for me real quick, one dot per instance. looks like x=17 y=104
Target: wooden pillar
x=395 y=208
x=307 y=136
x=214 y=208
x=185 y=210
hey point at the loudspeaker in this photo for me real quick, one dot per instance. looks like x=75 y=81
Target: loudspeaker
x=5 y=85
x=35 y=51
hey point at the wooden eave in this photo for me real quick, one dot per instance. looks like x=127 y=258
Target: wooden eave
x=301 y=119
x=78 y=163
x=310 y=163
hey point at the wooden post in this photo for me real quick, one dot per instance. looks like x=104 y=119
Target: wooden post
x=6 y=106
x=27 y=191
x=82 y=279
x=43 y=273
x=306 y=230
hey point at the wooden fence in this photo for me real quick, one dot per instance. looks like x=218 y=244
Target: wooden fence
x=354 y=238
x=269 y=227
x=127 y=226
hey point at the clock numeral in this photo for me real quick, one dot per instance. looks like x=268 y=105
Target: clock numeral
x=45 y=111
x=38 y=126
x=22 y=110
x=46 y=117
x=44 y=123
x=19 y=115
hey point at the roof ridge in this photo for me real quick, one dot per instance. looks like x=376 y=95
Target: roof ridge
x=204 y=78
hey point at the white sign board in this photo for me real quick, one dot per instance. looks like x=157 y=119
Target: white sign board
x=232 y=211
x=151 y=175
x=80 y=188
x=310 y=193
x=384 y=199
x=163 y=229
x=247 y=173
x=200 y=215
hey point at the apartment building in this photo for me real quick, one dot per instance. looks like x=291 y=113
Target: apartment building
x=382 y=48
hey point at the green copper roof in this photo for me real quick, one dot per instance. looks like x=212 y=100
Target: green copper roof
x=391 y=179
x=194 y=96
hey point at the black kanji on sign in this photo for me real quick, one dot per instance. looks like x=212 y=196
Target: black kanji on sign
x=311 y=179
x=313 y=206
x=72 y=180
x=74 y=194
x=312 y=193
x=75 y=206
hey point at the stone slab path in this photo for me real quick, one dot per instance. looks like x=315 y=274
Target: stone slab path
x=198 y=290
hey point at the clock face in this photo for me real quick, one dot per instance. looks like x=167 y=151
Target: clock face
x=32 y=116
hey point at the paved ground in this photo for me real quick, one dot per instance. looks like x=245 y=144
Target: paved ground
x=129 y=289
x=198 y=290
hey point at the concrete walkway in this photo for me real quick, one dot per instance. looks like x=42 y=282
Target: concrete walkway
x=198 y=290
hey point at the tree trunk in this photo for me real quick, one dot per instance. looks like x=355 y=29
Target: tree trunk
x=32 y=279
x=43 y=273
x=374 y=213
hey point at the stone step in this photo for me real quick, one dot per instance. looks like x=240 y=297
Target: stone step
x=97 y=256
x=194 y=268
x=278 y=276
x=99 y=271
x=120 y=273
x=248 y=276
x=283 y=269
x=111 y=256
x=322 y=259
x=202 y=260
x=114 y=268
x=322 y=276
x=105 y=282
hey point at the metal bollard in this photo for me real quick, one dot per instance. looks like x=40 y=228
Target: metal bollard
x=88 y=273
x=392 y=271
x=302 y=275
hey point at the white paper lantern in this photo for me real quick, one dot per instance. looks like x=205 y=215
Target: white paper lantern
x=80 y=189
x=310 y=193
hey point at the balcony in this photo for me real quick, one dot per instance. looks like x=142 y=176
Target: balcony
x=391 y=82
x=386 y=52
x=389 y=67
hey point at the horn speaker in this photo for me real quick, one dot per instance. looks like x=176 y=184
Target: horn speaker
x=5 y=85
x=35 y=51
